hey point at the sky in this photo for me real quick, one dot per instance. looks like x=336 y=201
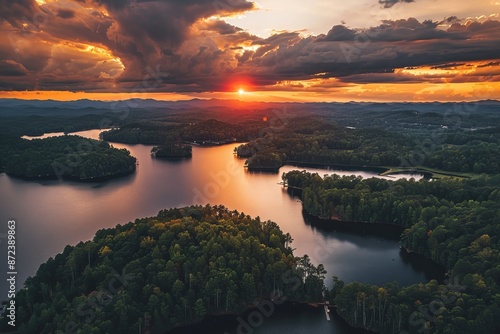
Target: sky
x=267 y=50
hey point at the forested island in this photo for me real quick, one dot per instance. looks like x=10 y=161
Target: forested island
x=166 y=271
x=172 y=151
x=453 y=222
x=64 y=157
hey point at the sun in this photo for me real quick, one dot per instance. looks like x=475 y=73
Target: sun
x=241 y=91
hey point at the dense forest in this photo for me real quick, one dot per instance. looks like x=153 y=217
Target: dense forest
x=454 y=138
x=315 y=141
x=37 y=125
x=453 y=222
x=172 y=150
x=64 y=157
x=203 y=132
x=162 y=272
x=173 y=269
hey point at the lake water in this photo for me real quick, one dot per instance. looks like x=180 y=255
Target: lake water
x=52 y=214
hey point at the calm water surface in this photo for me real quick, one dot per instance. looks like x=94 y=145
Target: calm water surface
x=52 y=214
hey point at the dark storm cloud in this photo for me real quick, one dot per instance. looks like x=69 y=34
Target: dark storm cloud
x=142 y=34
x=194 y=5
x=142 y=29
x=490 y=64
x=244 y=57
x=447 y=66
x=10 y=68
x=282 y=37
x=409 y=30
x=17 y=12
x=221 y=27
x=16 y=47
x=339 y=33
x=380 y=78
x=450 y=19
x=399 y=30
x=66 y=13
x=372 y=55
x=166 y=21
x=390 y=3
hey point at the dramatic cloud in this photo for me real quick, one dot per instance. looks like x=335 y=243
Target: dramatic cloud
x=340 y=33
x=390 y=3
x=9 y=68
x=219 y=26
x=137 y=34
x=381 y=50
x=15 y=11
x=186 y=46
x=66 y=13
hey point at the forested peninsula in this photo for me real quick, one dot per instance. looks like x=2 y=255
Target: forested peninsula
x=166 y=271
x=64 y=157
x=315 y=142
x=453 y=222
x=201 y=132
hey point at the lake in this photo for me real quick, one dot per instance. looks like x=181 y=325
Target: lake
x=51 y=214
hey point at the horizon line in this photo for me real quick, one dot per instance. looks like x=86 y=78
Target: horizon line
x=213 y=99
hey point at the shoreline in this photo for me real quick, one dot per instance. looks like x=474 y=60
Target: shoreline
x=383 y=230
x=341 y=319
x=228 y=322
x=387 y=230
x=172 y=157
x=72 y=178
x=388 y=171
x=379 y=230
x=381 y=171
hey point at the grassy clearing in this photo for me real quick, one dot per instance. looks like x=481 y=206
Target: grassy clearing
x=436 y=173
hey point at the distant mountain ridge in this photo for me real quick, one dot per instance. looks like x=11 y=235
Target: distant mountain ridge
x=142 y=103
x=19 y=107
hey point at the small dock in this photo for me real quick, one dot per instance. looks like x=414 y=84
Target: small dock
x=326 y=305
